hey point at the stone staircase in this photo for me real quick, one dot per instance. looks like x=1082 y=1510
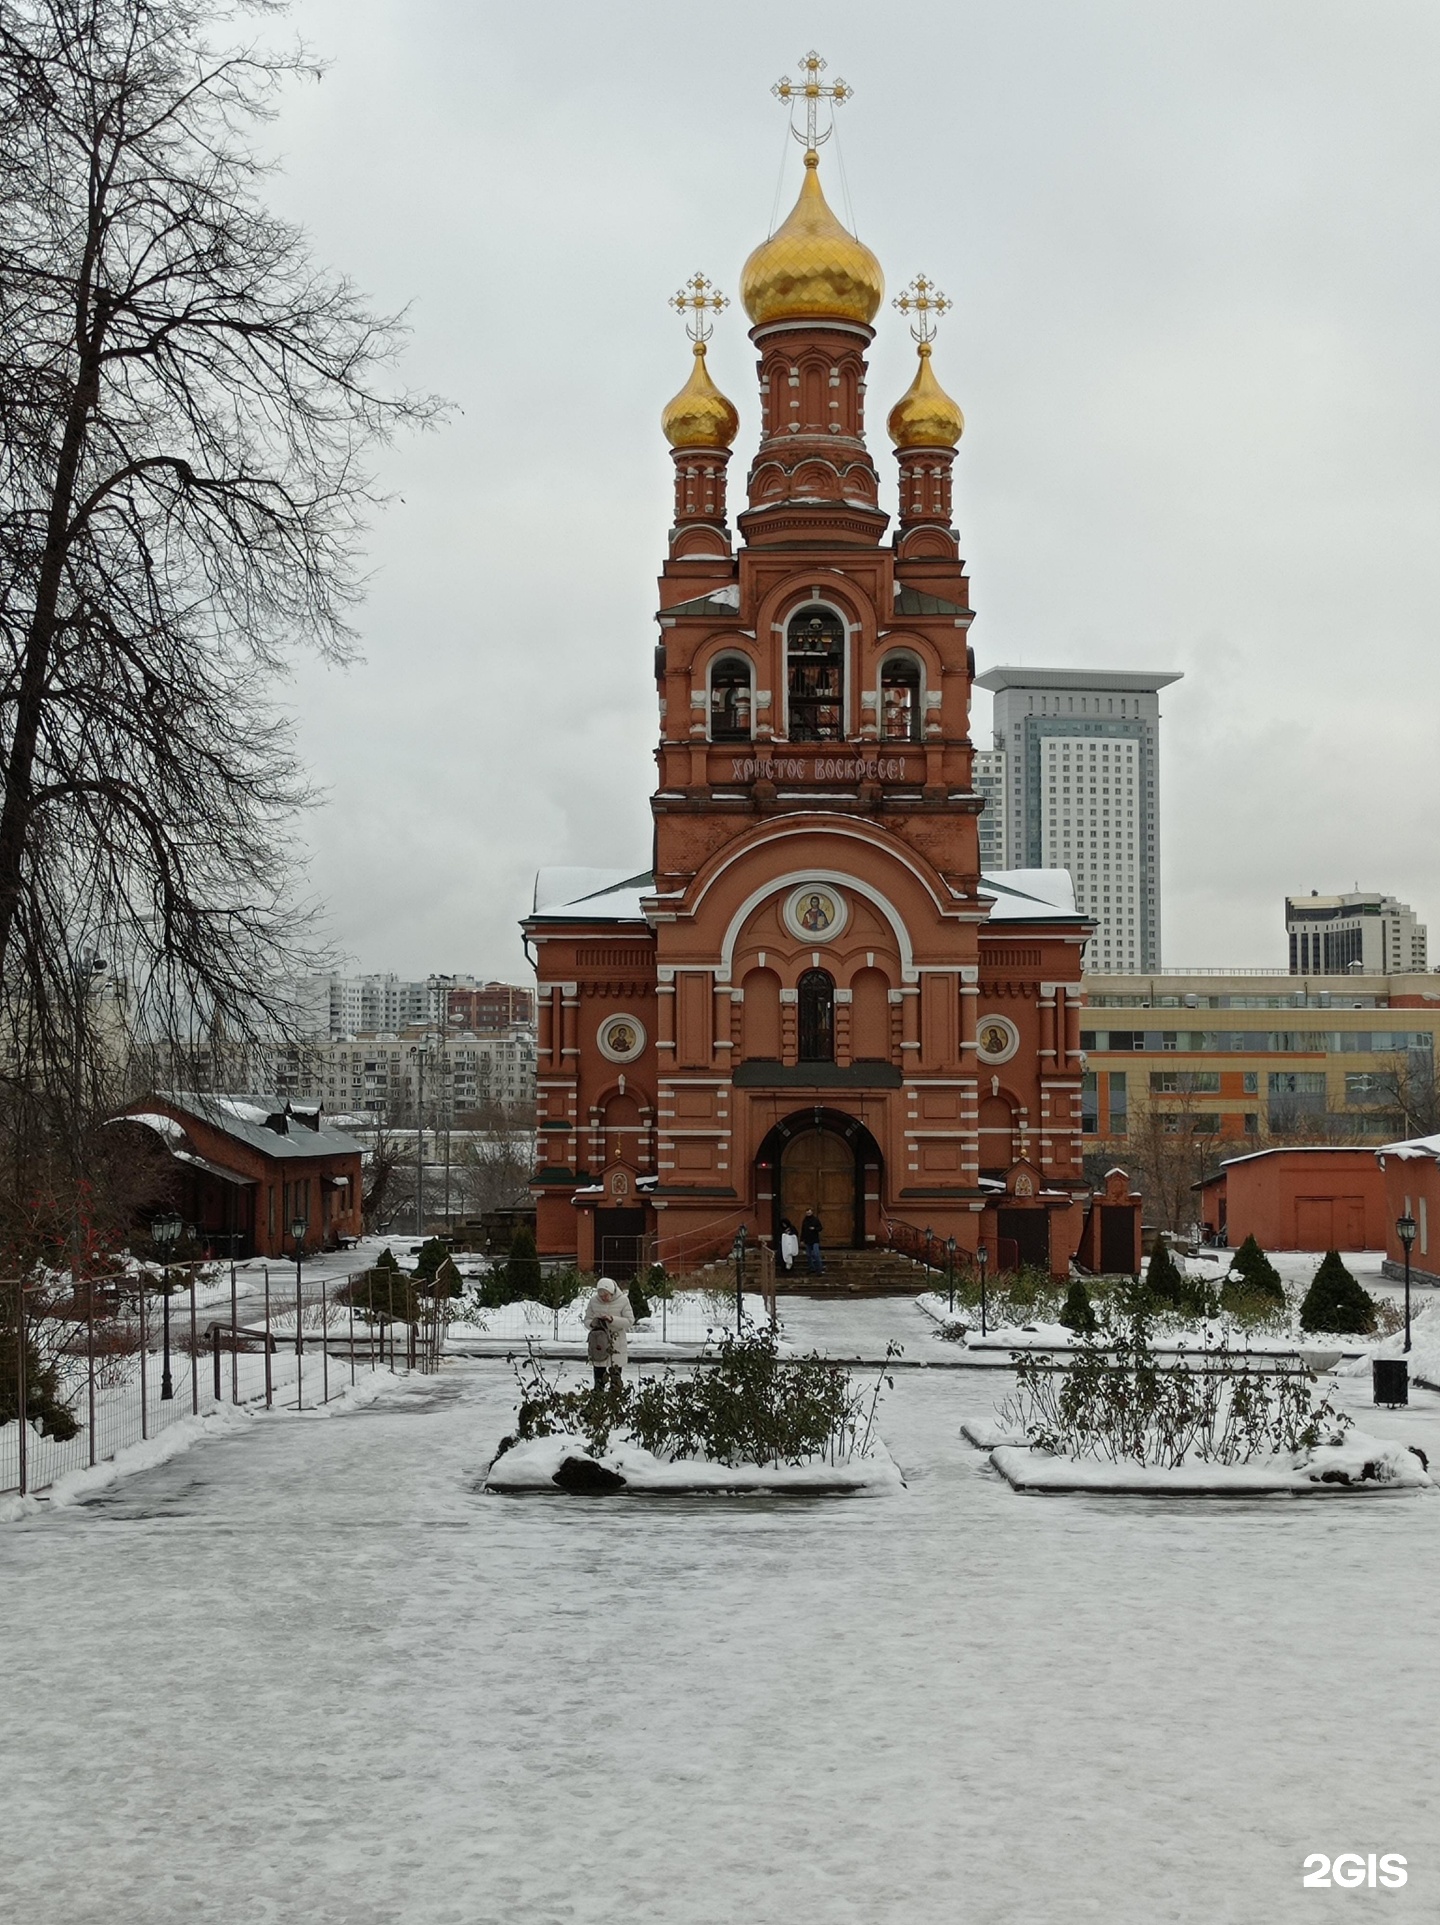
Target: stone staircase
x=873 y=1272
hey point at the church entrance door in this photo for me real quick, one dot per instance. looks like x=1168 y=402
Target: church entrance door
x=817 y=1172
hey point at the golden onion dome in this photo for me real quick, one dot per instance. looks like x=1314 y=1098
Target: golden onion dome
x=699 y=416
x=812 y=268
x=925 y=416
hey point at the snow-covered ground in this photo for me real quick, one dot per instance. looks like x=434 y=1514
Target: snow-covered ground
x=309 y=1672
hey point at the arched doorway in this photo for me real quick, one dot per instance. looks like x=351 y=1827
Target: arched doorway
x=821 y=1160
x=817 y=1172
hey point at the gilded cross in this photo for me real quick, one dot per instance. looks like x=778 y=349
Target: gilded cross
x=925 y=301
x=810 y=89
x=697 y=301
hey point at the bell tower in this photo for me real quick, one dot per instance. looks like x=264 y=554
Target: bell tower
x=807 y=1003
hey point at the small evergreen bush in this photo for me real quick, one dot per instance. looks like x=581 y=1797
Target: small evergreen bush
x=639 y=1303
x=1078 y=1313
x=1336 y=1302
x=1259 y=1273
x=1163 y=1281
x=429 y=1257
x=522 y=1268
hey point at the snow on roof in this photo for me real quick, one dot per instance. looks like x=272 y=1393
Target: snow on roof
x=1304 y=1149
x=1413 y=1148
x=166 y=1126
x=253 y=1118
x=1030 y=895
x=584 y=895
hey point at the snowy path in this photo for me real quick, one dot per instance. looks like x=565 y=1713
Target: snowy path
x=309 y=1676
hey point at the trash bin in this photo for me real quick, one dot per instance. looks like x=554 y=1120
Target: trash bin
x=1391 y=1378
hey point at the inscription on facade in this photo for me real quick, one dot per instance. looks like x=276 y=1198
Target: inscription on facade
x=825 y=768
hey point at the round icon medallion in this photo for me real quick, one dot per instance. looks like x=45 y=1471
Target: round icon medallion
x=815 y=911
x=621 y=1038
x=996 y=1039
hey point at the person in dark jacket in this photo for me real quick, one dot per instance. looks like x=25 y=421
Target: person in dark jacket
x=810 y=1239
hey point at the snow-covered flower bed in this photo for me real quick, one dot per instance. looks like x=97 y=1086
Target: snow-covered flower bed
x=567 y=1463
x=1360 y=1465
x=754 y=1419
x=689 y=1318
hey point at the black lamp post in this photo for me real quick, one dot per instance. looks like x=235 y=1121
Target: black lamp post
x=742 y=1237
x=950 y=1266
x=1405 y=1230
x=298 y=1227
x=982 y=1257
x=165 y=1232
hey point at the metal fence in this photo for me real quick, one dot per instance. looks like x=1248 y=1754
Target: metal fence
x=122 y=1362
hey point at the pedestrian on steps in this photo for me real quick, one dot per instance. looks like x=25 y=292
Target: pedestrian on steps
x=610 y=1320
x=810 y=1237
x=789 y=1245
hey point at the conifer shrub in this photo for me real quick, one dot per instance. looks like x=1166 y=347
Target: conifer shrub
x=1078 y=1313
x=44 y=1401
x=1335 y=1301
x=428 y=1258
x=522 y=1267
x=639 y=1302
x=1259 y=1273
x=1163 y=1281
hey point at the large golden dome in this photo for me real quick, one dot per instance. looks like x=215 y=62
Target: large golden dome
x=812 y=268
x=699 y=416
x=925 y=416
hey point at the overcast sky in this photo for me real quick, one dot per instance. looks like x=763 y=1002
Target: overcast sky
x=1193 y=251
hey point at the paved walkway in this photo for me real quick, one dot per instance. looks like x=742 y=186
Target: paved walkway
x=312 y=1675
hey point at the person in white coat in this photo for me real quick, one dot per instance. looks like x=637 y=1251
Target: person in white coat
x=610 y=1320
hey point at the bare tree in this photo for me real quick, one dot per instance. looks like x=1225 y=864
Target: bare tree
x=186 y=401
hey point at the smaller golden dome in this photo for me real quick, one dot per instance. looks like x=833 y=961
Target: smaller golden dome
x=925 y=416
x=699 y=416
x=812 y=268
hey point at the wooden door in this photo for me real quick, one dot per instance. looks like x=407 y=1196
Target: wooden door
x=817 y=1172
x=1314 y=1223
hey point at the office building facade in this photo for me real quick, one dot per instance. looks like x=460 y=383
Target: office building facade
x=1081 y=785
x=1361 y=934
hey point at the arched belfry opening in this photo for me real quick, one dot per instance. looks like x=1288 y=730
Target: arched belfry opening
x=815 y=675
x=822 y=1160
x=816 y=1017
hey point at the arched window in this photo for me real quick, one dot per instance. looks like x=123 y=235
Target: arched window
x=730 y=700
x=817 y=1017
x=900 y=718
x=815 y=664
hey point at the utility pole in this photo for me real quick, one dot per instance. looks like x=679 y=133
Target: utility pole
x=420 y=1140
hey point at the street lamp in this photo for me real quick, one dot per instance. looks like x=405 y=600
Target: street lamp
x=742 y=1237
x=1405 y=1230
x=298 y=1226
x=165 y=1232
x=950 y=1266
x=982 y=1257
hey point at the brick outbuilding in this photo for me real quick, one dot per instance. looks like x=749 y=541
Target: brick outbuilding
x=1315 y=1197
x=247 y=1166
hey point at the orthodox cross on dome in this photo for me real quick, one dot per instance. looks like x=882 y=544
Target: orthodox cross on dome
x=925 y=301
x=811 y=90
x=697 y=301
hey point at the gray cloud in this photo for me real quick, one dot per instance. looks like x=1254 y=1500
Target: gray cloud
x=1195 y=263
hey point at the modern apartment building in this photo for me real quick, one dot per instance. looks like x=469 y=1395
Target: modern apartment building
x=1260 y=1054
x=445 y=1073
x=1081 y=785
x=1359 y=934
x=371 y=1005
x=988 y=780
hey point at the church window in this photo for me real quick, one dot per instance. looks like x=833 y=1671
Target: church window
x=900 y=704
x=730 y=700
x=817 y=1017
x=815 y=660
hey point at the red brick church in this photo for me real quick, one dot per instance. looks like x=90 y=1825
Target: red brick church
x=813 y=999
